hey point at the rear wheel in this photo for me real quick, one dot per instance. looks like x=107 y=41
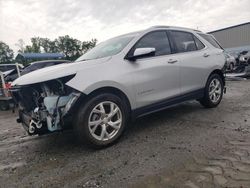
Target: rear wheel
x=213 y=91
x=101 y=120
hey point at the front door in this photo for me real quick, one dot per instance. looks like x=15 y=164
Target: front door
x=158 y=77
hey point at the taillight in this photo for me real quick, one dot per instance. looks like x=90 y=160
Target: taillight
x=8 y=85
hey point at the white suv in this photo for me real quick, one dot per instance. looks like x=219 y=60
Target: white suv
x=123 y=78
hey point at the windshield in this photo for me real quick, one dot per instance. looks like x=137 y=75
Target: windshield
x=107 y=48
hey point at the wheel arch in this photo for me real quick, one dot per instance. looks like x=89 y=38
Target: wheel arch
x=220 y=73
x=85 y=97
x=111 y=90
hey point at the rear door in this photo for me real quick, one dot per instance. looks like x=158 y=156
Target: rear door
x=193 y=58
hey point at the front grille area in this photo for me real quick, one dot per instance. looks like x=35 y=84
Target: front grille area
x=23 y=96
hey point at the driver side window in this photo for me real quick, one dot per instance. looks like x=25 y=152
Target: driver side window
x=158 y=40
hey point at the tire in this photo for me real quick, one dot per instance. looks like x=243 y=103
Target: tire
x=231 y=67
x=4 y=105
x=209 y=101
x=93 y=111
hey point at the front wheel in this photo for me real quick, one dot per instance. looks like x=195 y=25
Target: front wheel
x=101 y=120
x=213 y=91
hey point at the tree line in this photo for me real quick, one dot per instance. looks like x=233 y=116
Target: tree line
x=70 y=47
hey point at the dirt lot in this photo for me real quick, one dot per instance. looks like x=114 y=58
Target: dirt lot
x=184 y=146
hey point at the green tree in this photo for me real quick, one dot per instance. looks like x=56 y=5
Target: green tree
x=35 y=46
x=21 y=45
x=70 y=47
x=87 y=45
x=48 y=46
x=6 y=54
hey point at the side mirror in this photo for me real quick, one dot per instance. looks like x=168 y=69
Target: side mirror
x=142 y=52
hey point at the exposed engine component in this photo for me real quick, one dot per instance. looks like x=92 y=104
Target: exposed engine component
x=54 y=106
x=46 y=105
x=34 y=125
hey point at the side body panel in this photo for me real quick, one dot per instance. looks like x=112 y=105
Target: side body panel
x=114 y=73
x=155 y=80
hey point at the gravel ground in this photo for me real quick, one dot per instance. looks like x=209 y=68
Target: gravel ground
x=183 y=146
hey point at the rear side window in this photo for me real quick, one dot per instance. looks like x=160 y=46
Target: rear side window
x=211 y=40
x=184 y=41
x=157 y=40
x=198 y=43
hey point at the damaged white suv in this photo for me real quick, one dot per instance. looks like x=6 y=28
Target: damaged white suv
x=121 y=79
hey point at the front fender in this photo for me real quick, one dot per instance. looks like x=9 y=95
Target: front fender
x=93 y=84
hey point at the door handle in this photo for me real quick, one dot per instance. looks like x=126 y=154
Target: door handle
x=172 y=61
x=205 y=55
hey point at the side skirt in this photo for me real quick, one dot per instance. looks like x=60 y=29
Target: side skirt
x=142 y=111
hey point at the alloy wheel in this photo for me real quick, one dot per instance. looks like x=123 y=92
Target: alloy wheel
x=215 y=90
x=105 y=121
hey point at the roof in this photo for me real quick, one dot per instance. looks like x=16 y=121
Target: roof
x=39 y=55
x=175 y=27
x=230 y=27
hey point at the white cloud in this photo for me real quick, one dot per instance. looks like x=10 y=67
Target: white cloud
x=102 y=19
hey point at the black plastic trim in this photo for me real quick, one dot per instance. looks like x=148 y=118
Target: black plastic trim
x=139 y=112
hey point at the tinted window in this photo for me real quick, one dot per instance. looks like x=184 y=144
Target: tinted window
x=211 y=40
x=49 y=64
x=4 y=68
x=58 y=62
x=199 y=44
x=184 y=41
x=157 y=40
x=30 y=68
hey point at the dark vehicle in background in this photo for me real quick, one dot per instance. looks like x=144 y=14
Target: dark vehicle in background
x=242 y=68
x=8 y=68
x=245 y=57
x=32 y=67
x=231 y=62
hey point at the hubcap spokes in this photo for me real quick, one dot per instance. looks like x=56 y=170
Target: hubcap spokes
x=215 y=90
x=105 y=121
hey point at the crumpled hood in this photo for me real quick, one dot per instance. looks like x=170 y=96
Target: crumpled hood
x=56 y=71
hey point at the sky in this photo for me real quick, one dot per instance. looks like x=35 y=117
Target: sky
x=103 y=19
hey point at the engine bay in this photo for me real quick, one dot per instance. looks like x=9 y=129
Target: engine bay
x=43 y=106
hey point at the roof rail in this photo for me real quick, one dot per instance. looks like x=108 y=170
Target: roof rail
x=176 y=27
x=160 y=26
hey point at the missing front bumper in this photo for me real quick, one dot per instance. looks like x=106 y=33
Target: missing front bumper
x=55 y=117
